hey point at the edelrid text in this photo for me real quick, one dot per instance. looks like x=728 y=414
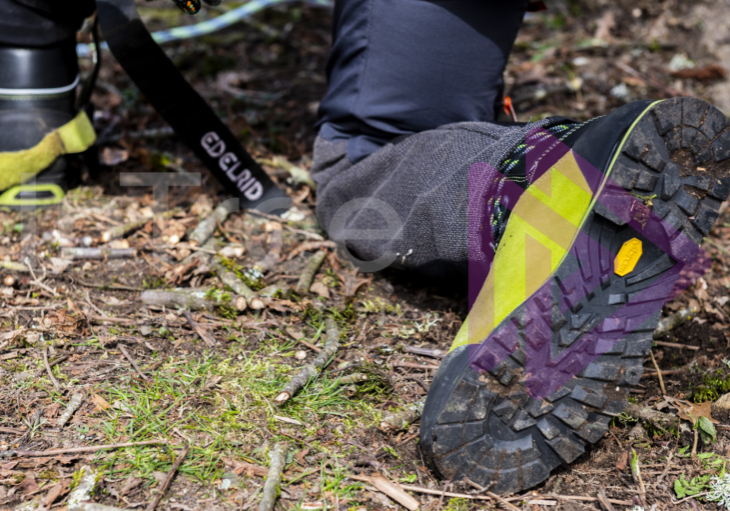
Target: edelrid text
x=230 y=164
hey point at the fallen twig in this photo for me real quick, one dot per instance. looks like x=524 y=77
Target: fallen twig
x=13 y=431
x=206 y=227
x=273 y=478
x=394 y=491
x=312 y=370
x=13 y=266
x=230 y=279
x=97 y=253
x=71 y=407
x=647 y=414
x=413 y=365
x=272 y=256
x=403 y=418
x=123 y=230
x=168 y=479
x=658 y=373
x=310 y=270
x=133 y=362
x=426 y=352
x=93 y=448
x=190 y=298
x=48 y=368
x=676 y=345
x=668 y=372
x=309 y=246
x=199 y=331
x=502 y=501
x=203 y=254
x=108 y=287
x=352 y=378
x=673 y=321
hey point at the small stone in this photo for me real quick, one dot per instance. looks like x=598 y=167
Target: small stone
x=721 y=409
x=300 y=355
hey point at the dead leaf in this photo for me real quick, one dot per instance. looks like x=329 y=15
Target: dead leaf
x=100 y=402
x=53 y=494
x=294 y=334
x=29 y=484
x=704 y=410
x=301 y=454
x=130 y=485
x=111 y=156
x=320 y=289
x=621 y=465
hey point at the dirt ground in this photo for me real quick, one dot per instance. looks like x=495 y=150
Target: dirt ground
x=147 y=373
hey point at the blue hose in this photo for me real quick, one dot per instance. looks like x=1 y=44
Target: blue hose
x=211 y=25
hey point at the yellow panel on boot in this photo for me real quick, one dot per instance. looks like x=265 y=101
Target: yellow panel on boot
x=73 y=137
x=540 y=230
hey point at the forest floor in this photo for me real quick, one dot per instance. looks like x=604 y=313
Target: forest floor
x=147 y=373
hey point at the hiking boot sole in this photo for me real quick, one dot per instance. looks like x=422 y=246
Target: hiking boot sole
x=486 y=425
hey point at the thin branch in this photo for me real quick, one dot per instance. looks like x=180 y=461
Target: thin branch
x=310 y=270
x=658 y=373
x=48 y=369
x=311 y=371
x=273 y=478
x=199 y=331
x=94 y=448
x=168 y=479
x=133 y=362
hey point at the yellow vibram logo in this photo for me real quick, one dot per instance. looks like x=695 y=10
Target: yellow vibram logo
x=627 y=257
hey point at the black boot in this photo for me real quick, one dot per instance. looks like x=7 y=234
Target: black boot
x=41 y=130
x=595 y=225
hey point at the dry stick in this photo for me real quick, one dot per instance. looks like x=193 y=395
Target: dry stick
x=94 y=448
x=72 y=406
x=206 y=227
x=98 y=253
x=676 y=345
x=13 y=431
x=193 y=299
x=13 y=266
x=312 y=370
x=271 y=258
x=604 y=500
x=403 y=418
x=668 y=372
x=230 y=279
x=199 y=331
x=310 y=270
x=204 y=254
x=412 y=365
x=352 y=378
x=673 y=321
x=308 y=246
x=658 y=373
x=394 y=491
x=647 y=414
x=133 y=362
x=273 y=478
x=168 y=479
x=502 y=501
x=426 y=352
x=120 y=231
x=48 y=368
x=52 y=363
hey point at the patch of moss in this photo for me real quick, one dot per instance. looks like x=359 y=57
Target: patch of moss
x=713 y=386
x=252 y=277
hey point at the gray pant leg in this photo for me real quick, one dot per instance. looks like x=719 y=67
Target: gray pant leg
x=423 y=179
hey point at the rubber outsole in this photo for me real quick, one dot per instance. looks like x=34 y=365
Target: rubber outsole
x=483 y=425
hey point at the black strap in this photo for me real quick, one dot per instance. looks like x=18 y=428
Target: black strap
x=181 y=106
